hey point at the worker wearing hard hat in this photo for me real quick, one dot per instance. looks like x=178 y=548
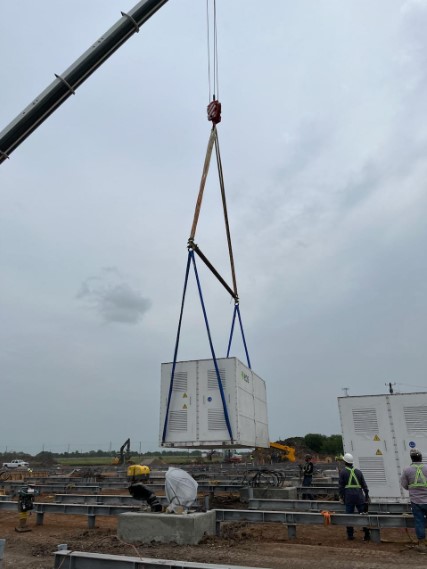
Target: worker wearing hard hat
x=414 y=479
x=137 y=474
x=307 y=470
x=354 y=492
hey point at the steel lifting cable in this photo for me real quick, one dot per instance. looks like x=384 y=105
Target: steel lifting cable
x=215 y=56
x=214 y=107
x=208 y=45
x=214 y=115
x=215 y=79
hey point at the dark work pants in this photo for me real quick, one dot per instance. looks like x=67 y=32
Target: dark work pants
x=349 y=509
x=307 y=481
x=419 y=511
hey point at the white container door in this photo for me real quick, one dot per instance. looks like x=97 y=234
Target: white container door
x=182 y=423
x=245 y=405
x=409 y=412
x=262 y=438
x=212 y=425
x=368 y=436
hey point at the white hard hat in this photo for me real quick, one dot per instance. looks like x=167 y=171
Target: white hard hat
x=348 y=458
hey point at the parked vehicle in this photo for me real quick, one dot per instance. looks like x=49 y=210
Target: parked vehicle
x=16 y=463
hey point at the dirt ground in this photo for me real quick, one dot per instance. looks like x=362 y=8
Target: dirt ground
x=249 y=545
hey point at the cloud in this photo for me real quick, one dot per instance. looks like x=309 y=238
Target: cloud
x=112 y=298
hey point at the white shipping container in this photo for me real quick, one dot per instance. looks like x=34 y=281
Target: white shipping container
x=196 y=415
x=379 y=431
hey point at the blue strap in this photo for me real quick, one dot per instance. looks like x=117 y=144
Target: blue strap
x=190 y=259
x=175 y=355
x=218 y=376
x=237 y=311
x=231 y=331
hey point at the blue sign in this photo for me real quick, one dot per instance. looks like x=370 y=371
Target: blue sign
x=412 y=444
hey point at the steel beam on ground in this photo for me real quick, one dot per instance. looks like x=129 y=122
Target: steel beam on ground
x=322 y=505
x=318 y=490
x=13 y=488
x=91 y=511
x=102 y=499
x=80 y=560
x=375 y=522
x=110 y=499
x=121 y=480
x=114 y=483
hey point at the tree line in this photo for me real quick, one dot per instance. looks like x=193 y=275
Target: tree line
x=331 y=445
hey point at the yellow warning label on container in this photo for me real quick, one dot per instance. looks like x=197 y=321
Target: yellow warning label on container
x=184 y=406
x=379 y=453
x=377 y=438
x=185 y=395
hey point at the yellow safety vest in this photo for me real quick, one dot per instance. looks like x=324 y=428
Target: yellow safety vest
x=419 y=475
x=352 y=481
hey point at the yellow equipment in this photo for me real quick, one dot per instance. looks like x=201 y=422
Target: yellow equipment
x=138 y=472
x=289 y=451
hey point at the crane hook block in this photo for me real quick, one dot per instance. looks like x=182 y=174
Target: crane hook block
x=214 y=112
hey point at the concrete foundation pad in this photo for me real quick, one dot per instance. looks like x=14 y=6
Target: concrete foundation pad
x=183 y=529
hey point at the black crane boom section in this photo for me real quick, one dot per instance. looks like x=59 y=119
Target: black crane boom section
x=66 y=83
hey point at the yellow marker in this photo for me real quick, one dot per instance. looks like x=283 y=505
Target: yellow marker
x=185 y=395
x=379 y=453
x=377 y=438
x=184 y=406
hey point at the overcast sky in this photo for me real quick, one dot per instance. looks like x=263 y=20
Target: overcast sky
x=324 y=149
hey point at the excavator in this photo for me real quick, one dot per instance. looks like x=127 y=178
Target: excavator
x=286 y=453
x=123 y=456
x=289 y=452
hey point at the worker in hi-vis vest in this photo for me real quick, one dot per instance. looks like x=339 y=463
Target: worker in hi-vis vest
x=354 y=493
x=414 y=479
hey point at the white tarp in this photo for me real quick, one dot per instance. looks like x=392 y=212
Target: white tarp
x=180 y=489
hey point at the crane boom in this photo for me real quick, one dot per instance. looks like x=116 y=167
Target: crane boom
x=290 y=451
x=66 y=83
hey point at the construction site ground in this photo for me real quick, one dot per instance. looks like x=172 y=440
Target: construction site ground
x=250 y=545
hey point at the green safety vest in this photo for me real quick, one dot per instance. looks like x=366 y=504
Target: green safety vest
x=352 y=481
x=419 y=475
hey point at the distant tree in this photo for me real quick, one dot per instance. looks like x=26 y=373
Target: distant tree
x=332 y=445
x=45 y=458
x=314 y=441
x=293 y=441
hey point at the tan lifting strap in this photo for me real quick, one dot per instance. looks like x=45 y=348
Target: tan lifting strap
x=213 y=141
